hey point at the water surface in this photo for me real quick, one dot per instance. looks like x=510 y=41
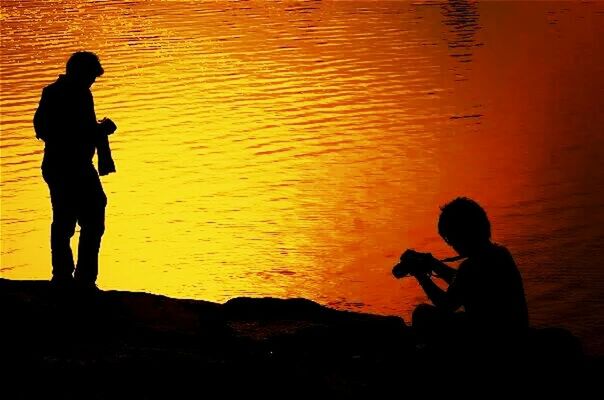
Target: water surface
x=295 y=149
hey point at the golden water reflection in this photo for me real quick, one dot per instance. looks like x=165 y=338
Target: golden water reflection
x=295 y=149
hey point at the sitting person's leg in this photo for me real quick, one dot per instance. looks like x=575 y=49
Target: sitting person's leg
x=433 y=325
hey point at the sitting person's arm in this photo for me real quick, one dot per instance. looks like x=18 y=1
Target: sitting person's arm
x=447 y=300
x=443 y=271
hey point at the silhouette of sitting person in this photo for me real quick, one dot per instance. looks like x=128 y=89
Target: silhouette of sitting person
x=487 y=284
x=65 y=120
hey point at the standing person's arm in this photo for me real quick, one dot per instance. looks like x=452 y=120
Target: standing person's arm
x=101 y=130
x=41 y=120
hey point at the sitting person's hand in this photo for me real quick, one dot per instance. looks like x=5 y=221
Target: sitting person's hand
x=413 y=263
x=421 y=275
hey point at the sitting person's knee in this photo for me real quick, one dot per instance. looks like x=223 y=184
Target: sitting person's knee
x=422 y=314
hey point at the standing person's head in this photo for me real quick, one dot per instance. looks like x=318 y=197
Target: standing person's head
x=84 y=67
x=464 y=225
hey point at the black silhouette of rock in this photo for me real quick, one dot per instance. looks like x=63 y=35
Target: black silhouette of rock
x=60 y=343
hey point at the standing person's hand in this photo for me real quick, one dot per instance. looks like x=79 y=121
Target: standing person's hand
x=107 y=126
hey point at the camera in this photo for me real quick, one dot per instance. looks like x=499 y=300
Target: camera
x=413 y=262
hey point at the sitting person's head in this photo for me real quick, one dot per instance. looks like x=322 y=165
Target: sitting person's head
x=464 y=225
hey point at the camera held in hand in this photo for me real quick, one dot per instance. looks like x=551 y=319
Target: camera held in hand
x=413 y=263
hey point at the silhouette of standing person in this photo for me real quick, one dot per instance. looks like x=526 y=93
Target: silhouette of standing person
x=487 y=283
x=65 y=120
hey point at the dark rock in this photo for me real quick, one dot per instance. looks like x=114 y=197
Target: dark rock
x=110 y=344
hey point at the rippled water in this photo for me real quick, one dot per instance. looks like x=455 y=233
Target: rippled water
x=296 y=148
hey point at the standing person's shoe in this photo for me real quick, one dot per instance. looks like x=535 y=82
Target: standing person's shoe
x=86 y=288
x=62 y=283
x=62 y=288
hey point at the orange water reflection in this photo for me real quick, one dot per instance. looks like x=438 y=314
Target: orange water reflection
x=296 y=149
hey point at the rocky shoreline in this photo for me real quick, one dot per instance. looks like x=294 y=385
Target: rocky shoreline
x=114 y=344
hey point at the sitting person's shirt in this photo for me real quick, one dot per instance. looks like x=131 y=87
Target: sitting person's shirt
x=489 y=287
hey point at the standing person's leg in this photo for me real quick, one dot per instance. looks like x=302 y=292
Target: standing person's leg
x=92 y=223
x=62 y=228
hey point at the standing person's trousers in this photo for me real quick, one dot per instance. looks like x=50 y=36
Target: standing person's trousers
x=76 y=197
